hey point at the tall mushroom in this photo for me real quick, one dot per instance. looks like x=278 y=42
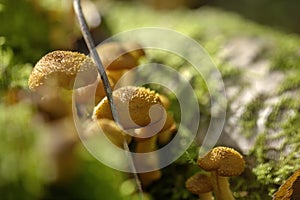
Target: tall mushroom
x=52 y=80
x=222 y=162
x=200 y=185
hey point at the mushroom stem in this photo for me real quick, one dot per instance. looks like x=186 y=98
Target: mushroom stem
x=145 y=146
x=221 y=187
x=206 y=196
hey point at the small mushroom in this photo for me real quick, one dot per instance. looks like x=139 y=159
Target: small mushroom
x=222 y=162
x=60 y=69
x=53 y=79
x=200 y=185
x=290 y=190
x=115 y=55
x=134 y=105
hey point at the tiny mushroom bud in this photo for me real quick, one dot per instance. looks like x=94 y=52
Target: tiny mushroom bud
x=200 y=185
x=222 y=162
x=133 y=104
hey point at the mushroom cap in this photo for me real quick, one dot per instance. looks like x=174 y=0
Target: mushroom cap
x=290 y=189
x=199 y=184
x=133 y=104
x=116 y=55
x=60 y=69
x=114 y=133
x=225 y=161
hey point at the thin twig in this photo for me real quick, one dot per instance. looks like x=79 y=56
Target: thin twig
x=91 y=46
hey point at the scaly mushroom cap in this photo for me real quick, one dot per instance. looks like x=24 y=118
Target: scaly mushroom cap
x=115 y=55
x=225 y=161
x=199 y=184
x=60 y=68
x=133 y=106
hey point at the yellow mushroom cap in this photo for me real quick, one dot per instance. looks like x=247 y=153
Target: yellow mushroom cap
x=199 y=184
x=133 y=105
x=116 y=56
x=225 y=161
x=60 y=68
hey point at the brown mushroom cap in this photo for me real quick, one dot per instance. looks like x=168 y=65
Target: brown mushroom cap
x=225 y=161
x=115 y=55
x=133 y=106
x=60 y=68
x=199 y=184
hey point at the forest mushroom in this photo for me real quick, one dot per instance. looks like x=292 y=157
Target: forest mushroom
x=60 y=69
x=290 y=190
x=200 y=185
x=134 y=105
x=115 y=55
x=222 y=162
x=53 y=78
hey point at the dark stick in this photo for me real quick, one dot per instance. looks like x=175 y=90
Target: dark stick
x=91 y=46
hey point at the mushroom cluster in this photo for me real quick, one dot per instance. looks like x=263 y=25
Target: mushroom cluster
x=220 y=163
x=142 y=111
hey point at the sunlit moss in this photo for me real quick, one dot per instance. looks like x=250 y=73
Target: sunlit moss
x=291 y=82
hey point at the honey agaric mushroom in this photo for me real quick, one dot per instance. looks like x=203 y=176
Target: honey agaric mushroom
x=222 y=162
x=53 y=78
x=133 y=104
x=59 y=69
x=115 y=55
x=200 y=185
x=290 y=190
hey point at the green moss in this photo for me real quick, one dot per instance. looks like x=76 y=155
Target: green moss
x=13 y=73
x=282 y=129
x=26 y=30
x=250 y=116
x=291 y=82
